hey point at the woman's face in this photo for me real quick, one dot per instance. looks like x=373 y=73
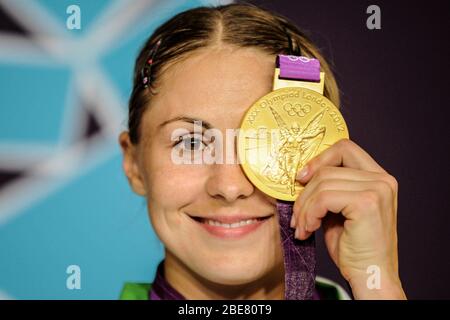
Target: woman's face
x=215 y=86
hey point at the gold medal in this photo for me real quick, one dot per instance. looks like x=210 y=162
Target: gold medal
x=282 y=131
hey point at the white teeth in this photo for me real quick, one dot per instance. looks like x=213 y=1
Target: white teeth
x=232 y=225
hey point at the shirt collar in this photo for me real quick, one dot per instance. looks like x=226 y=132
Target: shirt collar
x=162 y=290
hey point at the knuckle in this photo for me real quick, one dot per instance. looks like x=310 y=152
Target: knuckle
x=323 y=185
x=313 y=223
x=345 y=143
x=321 y=198
x=384 y=187
x=391 y=181
x=327 y=184
x=322 y=173
x=370 y=200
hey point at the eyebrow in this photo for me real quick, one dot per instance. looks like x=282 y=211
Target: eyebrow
x=205 y=124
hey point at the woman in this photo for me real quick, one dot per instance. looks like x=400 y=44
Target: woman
x=210 y=65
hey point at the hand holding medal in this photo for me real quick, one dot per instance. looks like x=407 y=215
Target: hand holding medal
x=294 y=146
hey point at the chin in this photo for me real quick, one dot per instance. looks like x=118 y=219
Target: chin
x=235 y=273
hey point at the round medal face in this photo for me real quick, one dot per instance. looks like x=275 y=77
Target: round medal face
x=281 y=132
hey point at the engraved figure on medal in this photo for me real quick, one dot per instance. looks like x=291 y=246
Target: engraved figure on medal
x=293 y=150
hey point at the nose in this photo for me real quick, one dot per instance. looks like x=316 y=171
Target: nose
x=228 y=182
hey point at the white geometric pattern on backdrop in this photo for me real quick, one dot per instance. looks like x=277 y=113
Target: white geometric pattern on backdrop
x=47 y=166
x=88 y=105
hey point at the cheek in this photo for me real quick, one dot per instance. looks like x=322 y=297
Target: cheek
x=177 y=184
x=172 y=186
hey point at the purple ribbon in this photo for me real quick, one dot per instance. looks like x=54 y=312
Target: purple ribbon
x=298 y=68
x=299 y=258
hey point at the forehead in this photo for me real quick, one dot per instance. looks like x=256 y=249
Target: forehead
x=216 y=84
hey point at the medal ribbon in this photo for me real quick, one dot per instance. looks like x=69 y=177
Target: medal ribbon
x=298 y=68
x=299 y=256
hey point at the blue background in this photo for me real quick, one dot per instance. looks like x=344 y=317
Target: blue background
x=80 y=211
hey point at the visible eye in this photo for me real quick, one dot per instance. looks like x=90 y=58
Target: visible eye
x=190 y=143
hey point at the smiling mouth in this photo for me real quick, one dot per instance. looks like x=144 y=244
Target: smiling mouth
x=235 y=224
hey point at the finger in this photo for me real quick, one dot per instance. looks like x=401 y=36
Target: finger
x=344 y=153
x=333 y=225
x=327 y=173
x=300 y=211
x=349 y=203
x=327 y=179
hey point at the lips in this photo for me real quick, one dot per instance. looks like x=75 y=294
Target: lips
x=230 y=226
x=228 y=219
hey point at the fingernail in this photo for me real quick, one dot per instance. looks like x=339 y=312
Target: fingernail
x=297 y=233
x=303 y=172
x=306 y=227
x=293 y=221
